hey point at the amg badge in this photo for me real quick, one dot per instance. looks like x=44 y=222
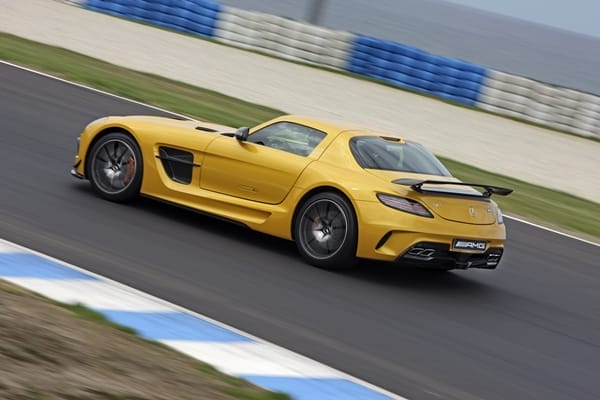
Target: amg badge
x=465 y=244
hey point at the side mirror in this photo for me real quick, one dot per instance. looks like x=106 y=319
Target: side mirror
x=242 y=133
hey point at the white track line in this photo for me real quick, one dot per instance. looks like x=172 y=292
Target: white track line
x=93 y=89
x=567 y=235
x=186 y=117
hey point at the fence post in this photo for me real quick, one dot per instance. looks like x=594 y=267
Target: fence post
x=315 y=10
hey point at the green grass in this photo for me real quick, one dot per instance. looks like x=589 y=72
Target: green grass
x=87 y=313
x=238 y=387
x=536 y=203
x=176 y=96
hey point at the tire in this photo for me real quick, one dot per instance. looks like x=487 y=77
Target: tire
x=325 y=231
x=115 y=167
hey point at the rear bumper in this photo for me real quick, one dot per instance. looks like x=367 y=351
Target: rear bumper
x=394 y=236
x=439 y=256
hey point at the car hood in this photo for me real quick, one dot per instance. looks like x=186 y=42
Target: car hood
x=476 y=211
x=139 y=120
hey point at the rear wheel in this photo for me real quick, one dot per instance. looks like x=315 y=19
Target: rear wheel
x=115 y=167
x=325 y=231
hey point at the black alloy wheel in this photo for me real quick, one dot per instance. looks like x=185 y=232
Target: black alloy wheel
x=115 y=167
x=326 y=231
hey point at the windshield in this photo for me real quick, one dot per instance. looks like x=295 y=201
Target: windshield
x=288 y=136
x=392 y=154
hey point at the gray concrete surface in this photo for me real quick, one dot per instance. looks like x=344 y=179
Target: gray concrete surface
x=528 y=330
x=536 y=155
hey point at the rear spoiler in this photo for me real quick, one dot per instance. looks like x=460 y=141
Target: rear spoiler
x=417 y=185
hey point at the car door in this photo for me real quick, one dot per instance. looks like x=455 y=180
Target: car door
x=262 y=168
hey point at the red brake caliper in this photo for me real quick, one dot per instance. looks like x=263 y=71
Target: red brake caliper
x=130 y=170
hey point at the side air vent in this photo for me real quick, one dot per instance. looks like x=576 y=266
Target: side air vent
x=178 y=164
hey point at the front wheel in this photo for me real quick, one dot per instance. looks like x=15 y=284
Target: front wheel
x=325 y=231
x=115 y=167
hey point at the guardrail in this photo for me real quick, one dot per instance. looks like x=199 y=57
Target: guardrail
x=416 y=69
x=284 y=37
x=541 y=103
x=392 y=62
x=197 y=17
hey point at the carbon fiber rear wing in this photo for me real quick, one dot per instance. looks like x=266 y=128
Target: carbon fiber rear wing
x=417 y=185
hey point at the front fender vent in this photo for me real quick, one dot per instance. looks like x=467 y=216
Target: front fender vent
x=178 y=164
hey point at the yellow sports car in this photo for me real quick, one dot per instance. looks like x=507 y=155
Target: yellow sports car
x=341 y=192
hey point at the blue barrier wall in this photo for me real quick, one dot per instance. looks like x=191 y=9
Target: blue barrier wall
x=197 y=17
x=415 y=69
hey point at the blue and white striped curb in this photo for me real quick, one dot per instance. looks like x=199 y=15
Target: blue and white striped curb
x=226 y=348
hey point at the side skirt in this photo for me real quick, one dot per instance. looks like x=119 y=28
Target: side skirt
x=194 y=210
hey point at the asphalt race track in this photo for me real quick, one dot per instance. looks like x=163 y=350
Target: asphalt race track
x=529 y=330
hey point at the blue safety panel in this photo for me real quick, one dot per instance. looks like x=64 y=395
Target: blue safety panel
x=415 y=69
x=192 y=16
x=173 y=326
x=300 y=388
x=29 y=265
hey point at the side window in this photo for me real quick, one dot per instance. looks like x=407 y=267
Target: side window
x=288 y=136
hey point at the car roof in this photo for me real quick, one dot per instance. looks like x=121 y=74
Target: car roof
x=322 y=124
x=335 y=127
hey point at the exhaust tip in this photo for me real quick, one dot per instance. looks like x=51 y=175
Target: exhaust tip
x=422 y=253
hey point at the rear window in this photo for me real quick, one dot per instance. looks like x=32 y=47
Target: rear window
x=392 y=154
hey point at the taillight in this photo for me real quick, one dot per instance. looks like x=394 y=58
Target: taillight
x=404 y=204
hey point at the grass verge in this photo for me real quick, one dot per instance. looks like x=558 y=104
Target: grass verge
x=86 y=313
x=172 y=95
x=536 y=203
